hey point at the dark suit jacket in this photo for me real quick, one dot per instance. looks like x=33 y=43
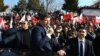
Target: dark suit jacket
x=96 y=44
x=24 y=37
x=40 y=41
x=9 y=38
x=55 y=43
x=91 y=36
x=72 y=48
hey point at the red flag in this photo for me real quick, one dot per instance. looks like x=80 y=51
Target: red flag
x=80 y=19
x=67 y=17
x=93 y=20
x=34 y=20
x=97 y=20
x=84 y=20
x=1 y=20
x=75 y=19
x=72 y=16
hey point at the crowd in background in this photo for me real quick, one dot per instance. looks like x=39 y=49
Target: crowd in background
x=38 y=35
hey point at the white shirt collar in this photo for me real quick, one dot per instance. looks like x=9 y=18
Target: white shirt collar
x=83 y=40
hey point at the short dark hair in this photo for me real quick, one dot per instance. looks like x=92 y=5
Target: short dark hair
x=41 y=16
x=81 y=27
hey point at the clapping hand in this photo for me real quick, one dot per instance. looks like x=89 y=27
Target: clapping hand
x=61 y=53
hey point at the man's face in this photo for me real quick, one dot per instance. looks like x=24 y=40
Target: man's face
x=82 y=33
x=25 y=25
x=46 y=21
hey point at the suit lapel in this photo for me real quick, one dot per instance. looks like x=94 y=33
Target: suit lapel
x=86 y=47
x=76 y=46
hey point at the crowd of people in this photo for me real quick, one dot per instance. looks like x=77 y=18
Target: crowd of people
x=48 y=35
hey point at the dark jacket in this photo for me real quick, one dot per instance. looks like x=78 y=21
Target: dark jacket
x=96 y=44
x=91 y=36
x=10 y=39
x=24 y=37
x=40 y=41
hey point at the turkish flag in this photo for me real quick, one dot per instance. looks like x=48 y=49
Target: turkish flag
x=35 y=20
x=1 y=20
x=97 y=20
x=67 y=17
x=80 y=18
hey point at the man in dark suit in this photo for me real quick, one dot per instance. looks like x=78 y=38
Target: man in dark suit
x=80 y=46
x=96 y=43
x=9 y=38
x=41 y=42
x=90 y=33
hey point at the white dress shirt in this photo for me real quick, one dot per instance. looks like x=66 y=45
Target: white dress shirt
x=83 y=43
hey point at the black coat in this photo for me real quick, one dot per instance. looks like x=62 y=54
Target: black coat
x=24 y=37
x=96 y=44
x=10 y=39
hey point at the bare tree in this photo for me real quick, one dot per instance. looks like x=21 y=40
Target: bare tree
x=47 y=4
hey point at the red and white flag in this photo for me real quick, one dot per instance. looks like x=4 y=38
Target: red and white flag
x=79 y=19
x=1 y=23
x=67 y=17
x=97 y=20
